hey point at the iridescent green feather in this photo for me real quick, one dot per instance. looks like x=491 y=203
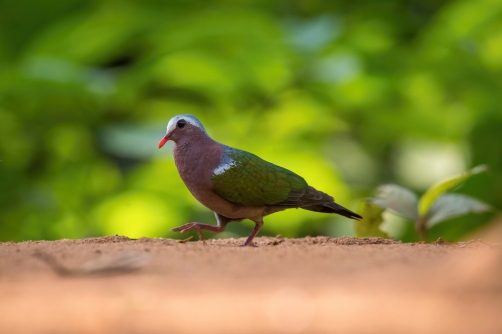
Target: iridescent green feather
x=250 y=180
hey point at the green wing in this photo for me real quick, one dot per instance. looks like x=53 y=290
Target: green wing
x=243 y=178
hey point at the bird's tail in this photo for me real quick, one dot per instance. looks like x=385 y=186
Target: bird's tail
x=333 y=208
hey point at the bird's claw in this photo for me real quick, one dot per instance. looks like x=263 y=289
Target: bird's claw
x=186 y=227
x=189 y=227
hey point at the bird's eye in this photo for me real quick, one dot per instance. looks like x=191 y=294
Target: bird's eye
x=181 y=123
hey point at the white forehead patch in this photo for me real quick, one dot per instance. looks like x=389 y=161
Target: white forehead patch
x=188 y=118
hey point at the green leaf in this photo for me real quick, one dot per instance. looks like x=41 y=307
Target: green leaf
x=442 y=186
x=397 y=198
x=369 y=226
x=453 y=205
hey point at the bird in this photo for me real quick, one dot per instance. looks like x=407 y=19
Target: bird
x=236 y=184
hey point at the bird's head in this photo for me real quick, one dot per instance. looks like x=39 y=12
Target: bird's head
x=182 y=126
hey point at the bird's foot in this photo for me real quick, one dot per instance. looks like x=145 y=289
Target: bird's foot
x=189 y=227
x=198 y=227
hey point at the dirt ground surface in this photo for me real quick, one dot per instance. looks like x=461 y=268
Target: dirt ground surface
x=310 y=285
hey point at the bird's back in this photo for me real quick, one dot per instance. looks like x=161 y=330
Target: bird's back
x=246 y=179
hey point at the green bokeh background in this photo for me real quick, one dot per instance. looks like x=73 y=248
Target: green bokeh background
x=348 y=94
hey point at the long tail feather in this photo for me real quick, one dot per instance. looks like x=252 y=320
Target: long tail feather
x=333 y=208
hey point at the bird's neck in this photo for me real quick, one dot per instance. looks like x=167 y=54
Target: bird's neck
x=196 y=155
x=195 y=144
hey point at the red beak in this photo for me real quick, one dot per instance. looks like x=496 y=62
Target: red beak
x=164 y=140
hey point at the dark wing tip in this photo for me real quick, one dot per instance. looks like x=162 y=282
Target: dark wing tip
x=333 y=208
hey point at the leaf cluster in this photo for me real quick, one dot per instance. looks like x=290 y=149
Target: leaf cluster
x=436 y=204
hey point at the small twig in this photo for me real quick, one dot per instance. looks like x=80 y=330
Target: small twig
x=121 y=262
x=51 y=262
x=185 y=240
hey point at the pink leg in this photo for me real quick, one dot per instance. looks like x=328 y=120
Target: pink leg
x=257 y=228
x=222 y=223
x=198 y=226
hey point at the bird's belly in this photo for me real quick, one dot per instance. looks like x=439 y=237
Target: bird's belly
x=227 y=209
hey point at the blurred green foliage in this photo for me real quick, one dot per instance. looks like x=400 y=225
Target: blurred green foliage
x=348 y=94
x=435 y=206
x=369 y=226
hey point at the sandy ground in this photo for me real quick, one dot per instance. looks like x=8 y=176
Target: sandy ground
x=310 y=285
